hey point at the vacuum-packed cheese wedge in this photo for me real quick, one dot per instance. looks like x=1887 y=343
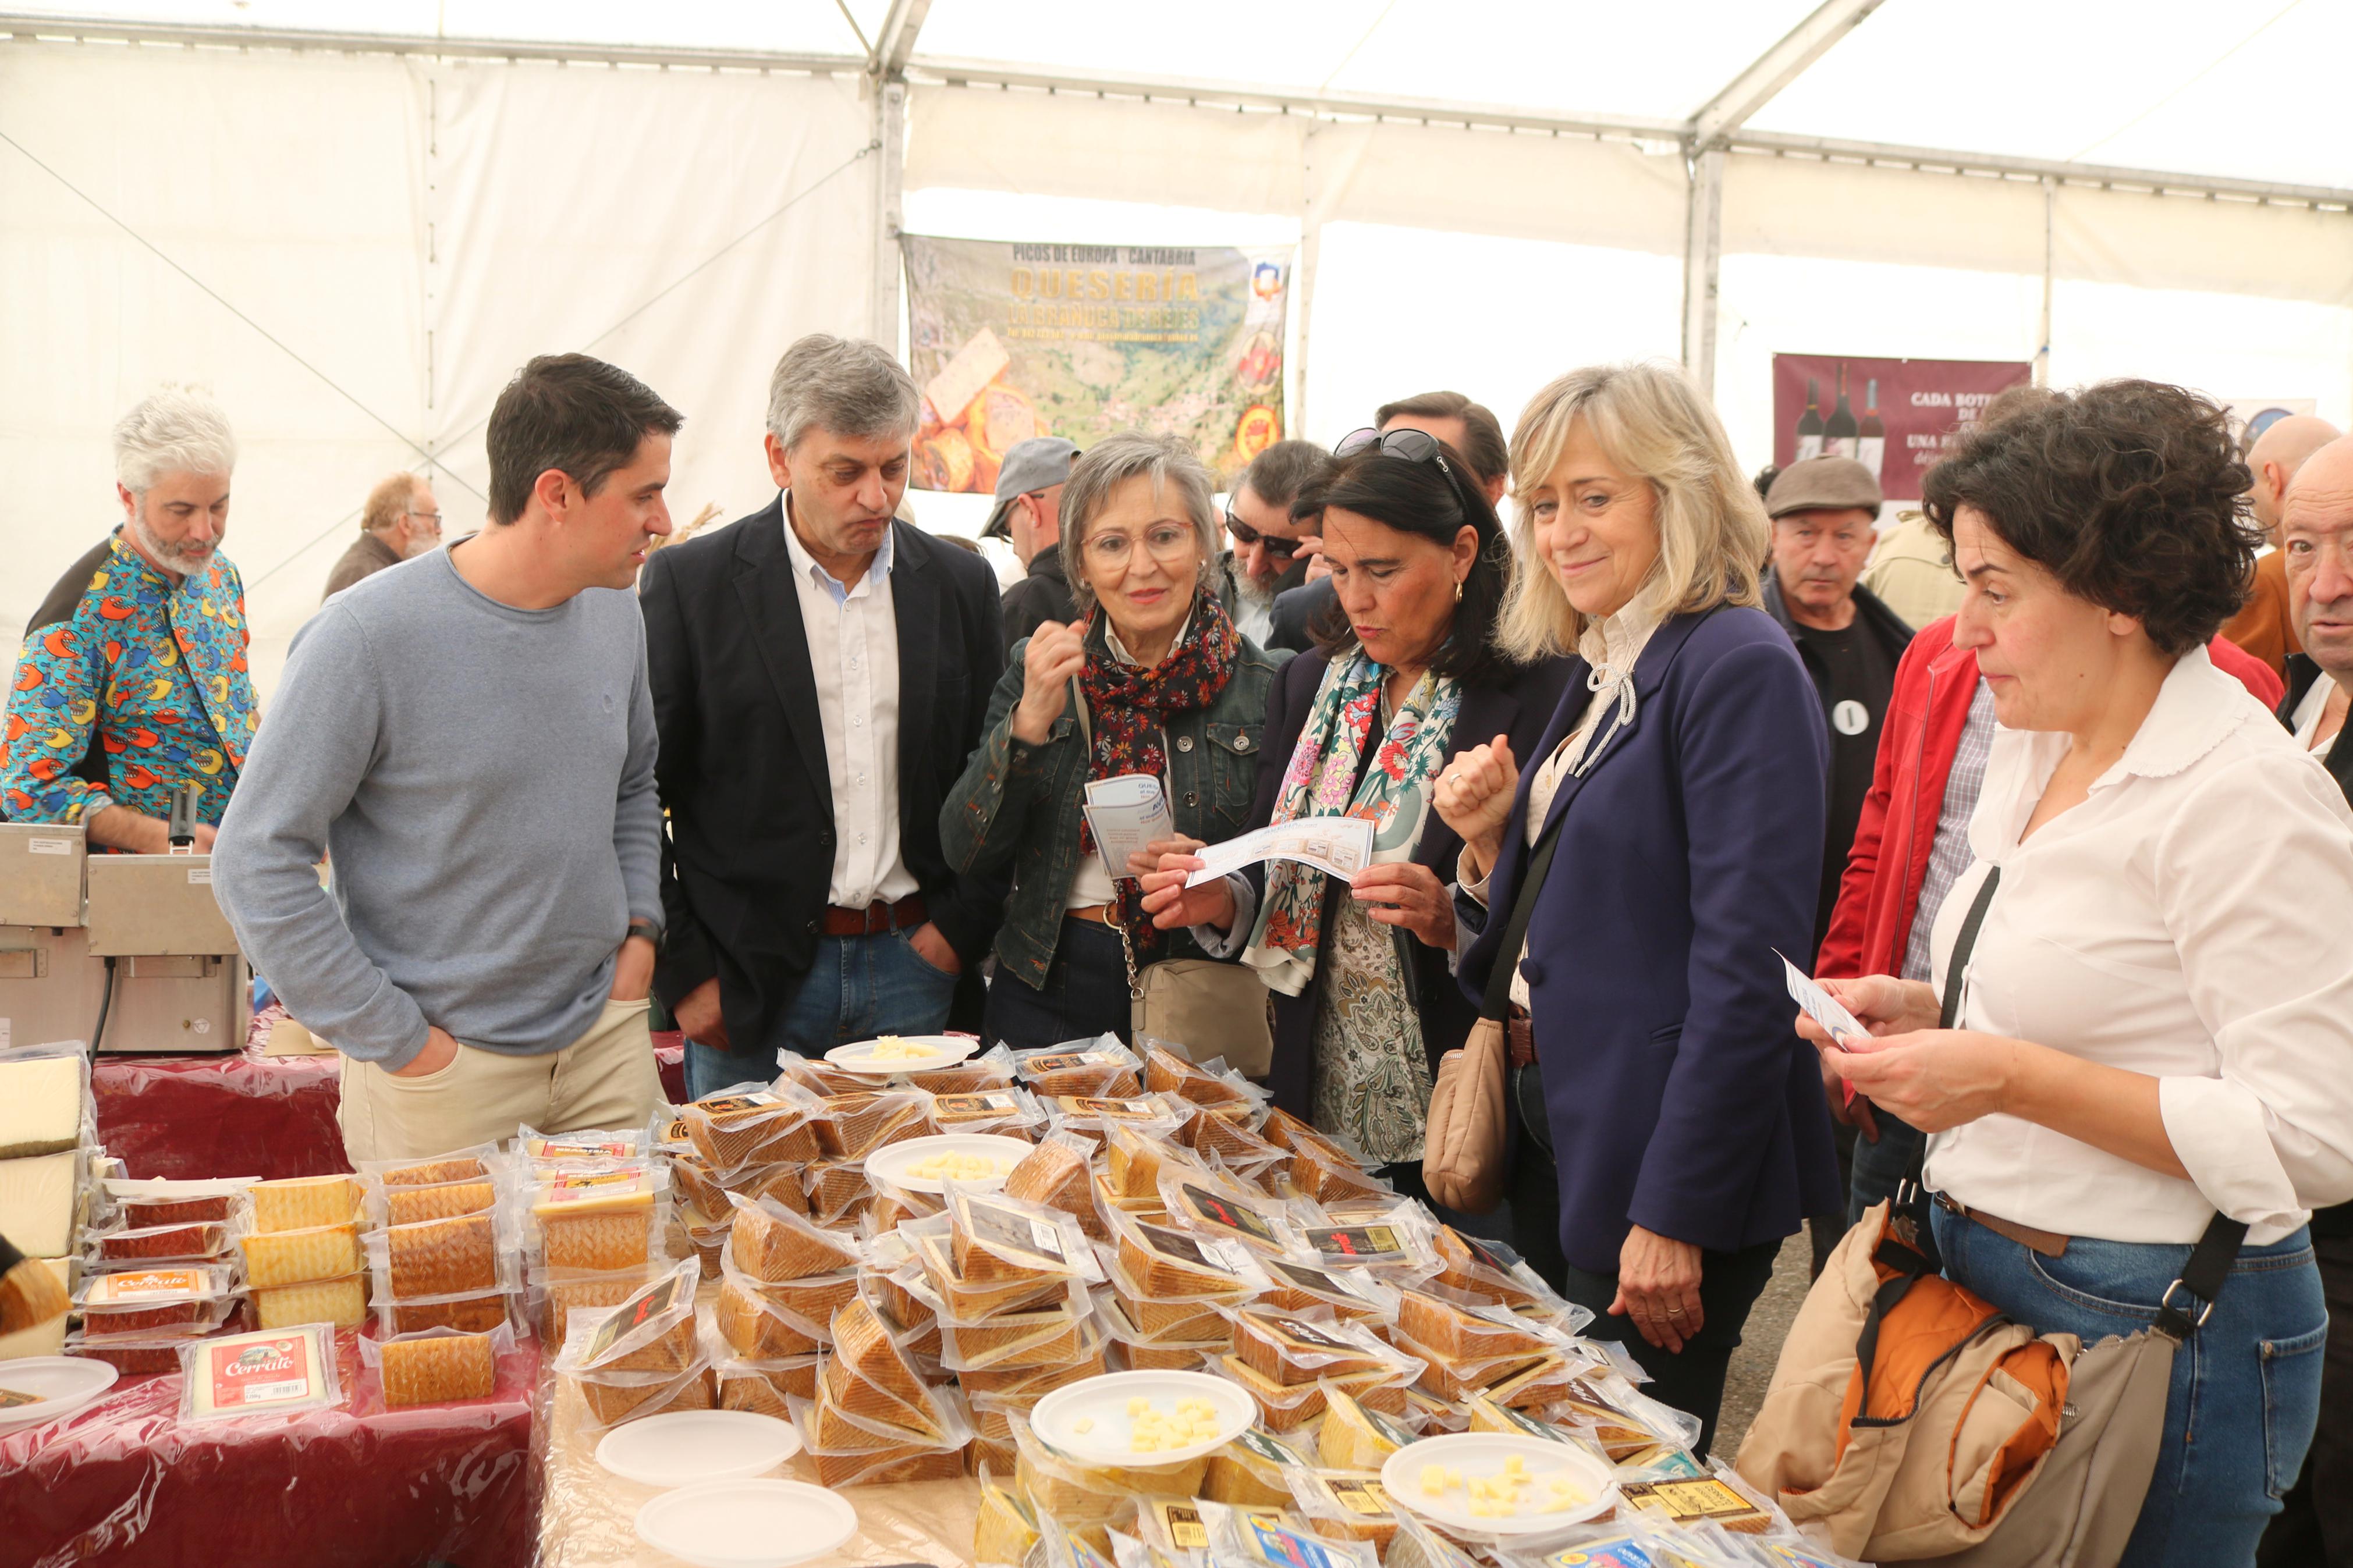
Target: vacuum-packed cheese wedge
x=437 y=1369
x=442 y=1257
x=304 y=1202
x=1101 y=1073
x=1218 y=1209
x=1054 y=1174
x=413 y=1206
x=1040 y=1337
x=772 y=1244
x=1481 y=1268
x=1462 y=1333
x=842 y=1390
x=1455 y=1380
x=1351 y=1437
x=37 y=1196
x=343 y=1302
x=40 y=1106
x=1704 y=1500
x=1033 y=1383
x=1487 y=1414
x=977 y=1077
x=1249 y=1472
x=950 y=1112
x=852 y=1126
x=436 y=1173
x=968 y=1301
x=994 y=1240
x=1161 y=1262
x=1536 y=1387
x=888 y=1467
x=1209 y=1133
x=1350 y=1295
x=814 y=1297
x=763 y=1387
x=835 y=1188
x=1348 y=1503
x=294 y=1256
x=697 y=1183
x=475 y=1314
x=561 y=1295
x=1618 y=1433
x=753 y=1127
x=1165 y=1072
x=753 y=1328
x=616 y=1396
x=597 y=1220
x=1281 y=1408
x=1135 y=1162
x=866 y=1348
x=150 y=1202
x=1292 y=1351
x=1157 y=1320
x=651 y=1330
x=1005 y=1529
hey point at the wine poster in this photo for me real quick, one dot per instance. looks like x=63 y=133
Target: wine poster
x=1013 y=341
x=1892 y=416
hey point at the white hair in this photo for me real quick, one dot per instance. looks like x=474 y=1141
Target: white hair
x=851 y=386
x=178 y=428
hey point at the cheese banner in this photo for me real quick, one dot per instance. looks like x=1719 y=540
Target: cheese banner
x=1011 y=340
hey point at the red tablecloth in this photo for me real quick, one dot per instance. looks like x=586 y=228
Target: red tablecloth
x=245 y=1114
x=125 y=1482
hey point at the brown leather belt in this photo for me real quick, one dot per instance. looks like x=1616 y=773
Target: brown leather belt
x=1520 y=1037
x=2049 y=1243
x=875 y=917
x=1102 y=914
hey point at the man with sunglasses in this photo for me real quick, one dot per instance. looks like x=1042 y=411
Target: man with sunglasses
x=1030 y=513
x=1270 y=549
x=1471 y=428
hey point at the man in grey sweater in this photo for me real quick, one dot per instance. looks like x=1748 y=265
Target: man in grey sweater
x=470 y=736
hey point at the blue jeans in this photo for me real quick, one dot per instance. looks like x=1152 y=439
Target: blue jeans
x=1085 y=993
x=2246 y=1387
x=857 y=987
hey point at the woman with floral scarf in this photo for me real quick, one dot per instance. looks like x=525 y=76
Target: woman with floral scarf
x=1365 y=1000
x=1169 y=690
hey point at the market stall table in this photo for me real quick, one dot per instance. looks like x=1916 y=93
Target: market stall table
x=126 y=1483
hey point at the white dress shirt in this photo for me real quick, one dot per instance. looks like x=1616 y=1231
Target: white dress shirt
x=2311 y=711
x=853 y=647
x=2192 y=919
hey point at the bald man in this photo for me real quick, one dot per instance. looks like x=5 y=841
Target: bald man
x=2316 y=540
x=2262 y=626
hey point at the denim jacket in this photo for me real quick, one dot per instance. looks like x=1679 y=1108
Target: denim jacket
x=1016 y=807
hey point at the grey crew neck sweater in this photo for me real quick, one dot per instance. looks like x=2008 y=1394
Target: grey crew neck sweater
x=483 y=780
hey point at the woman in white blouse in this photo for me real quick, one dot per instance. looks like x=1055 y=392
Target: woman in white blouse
x=2156 y=1018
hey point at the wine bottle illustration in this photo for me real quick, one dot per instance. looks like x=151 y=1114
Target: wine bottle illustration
x=1839 y=430
x=1810 y=422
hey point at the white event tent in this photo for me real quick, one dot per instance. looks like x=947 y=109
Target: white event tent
x=355 y=219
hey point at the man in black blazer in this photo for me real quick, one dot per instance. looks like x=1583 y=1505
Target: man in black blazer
x=819 y=675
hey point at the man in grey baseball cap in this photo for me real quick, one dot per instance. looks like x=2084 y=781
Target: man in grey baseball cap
x=1030 y=513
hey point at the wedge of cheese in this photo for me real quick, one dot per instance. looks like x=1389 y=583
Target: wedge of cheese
x=40 y=1106
x=1005 y=1529
x=37 y=1196
x=343 y=1302
x=297 y=1256
x=1354 y=1439
x=438 y=1370
x=303 y=1202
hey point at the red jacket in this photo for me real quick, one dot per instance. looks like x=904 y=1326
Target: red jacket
x=1934 y=685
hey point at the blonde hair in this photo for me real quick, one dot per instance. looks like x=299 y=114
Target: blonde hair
x=388 y=503
x=1653 y=423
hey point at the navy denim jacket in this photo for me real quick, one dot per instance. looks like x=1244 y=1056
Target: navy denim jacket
x=1016 y=809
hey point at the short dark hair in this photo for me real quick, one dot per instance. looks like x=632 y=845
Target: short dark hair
x=1279 y=474
x=570 y=413
x=1421 y=499
x=1764 y=480
x=2130 y=493
x=1483 y=447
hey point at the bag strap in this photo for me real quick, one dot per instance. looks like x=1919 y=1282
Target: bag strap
x=1498 y=998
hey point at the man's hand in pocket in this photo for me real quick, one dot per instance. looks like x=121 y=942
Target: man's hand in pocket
x=441 y=1050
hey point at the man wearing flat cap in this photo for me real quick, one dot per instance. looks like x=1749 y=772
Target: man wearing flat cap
x=1030 y=513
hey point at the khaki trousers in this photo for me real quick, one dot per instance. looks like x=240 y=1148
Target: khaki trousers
x=606 y=1077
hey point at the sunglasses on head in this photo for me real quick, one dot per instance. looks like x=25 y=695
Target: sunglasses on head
x=1246 y=536
x=1413 y=445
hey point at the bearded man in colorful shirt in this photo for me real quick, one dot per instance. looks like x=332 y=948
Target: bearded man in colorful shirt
x=132 y=678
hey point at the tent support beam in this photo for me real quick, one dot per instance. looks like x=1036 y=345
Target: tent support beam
x=1775 y=69
x=886 y=72
x=1702 y=253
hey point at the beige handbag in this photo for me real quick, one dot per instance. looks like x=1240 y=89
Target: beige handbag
x=1200 y=1006
x=1462 y=1150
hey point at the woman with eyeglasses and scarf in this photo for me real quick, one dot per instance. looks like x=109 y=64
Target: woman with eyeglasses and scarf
x=1684 y=776
x=1365 y=1000
x=1168 y=688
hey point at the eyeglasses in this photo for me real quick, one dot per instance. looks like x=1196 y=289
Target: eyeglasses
x=1413 y=445
x=1166 y=541
x=1246 y=536
x=432 y=517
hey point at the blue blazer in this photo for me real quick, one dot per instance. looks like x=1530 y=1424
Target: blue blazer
x=1679 y=1094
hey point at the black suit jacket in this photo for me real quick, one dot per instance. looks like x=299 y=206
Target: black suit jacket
x=1296 y=611
x=742 y=772
x=1518 y=707
x=2304 y=672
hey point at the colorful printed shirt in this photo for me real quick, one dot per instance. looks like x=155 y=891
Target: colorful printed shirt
x=128 y=685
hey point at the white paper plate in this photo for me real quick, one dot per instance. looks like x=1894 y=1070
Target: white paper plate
x=64 y=1384
x=684 y=1446
x=746 y=1523
x=1103 y=1402
x=1480 y=1456
x=946 y=1050
x=892 y=1162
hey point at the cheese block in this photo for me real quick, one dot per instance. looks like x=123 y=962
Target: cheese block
x=1591 y=1410
x=562 y=1295
x=42 y=1339
x=1038 y=1338
x=343 y=1302
x=653 y=1329
x=841 y=1390
x=1455 y=1380
x=953 y=1111
x=763 y=1387
x=1349 y=1503
x=1351 y=1437
x=474 y=1314
x=294 y=1256
x=1537 y=1386
x=757 y=1127
x=38 y=1198
x=435 y=1173
x=304 y=1202
x=1476 y=1268
x=1098 y=1074
x=888 y=1467
x=1687 y=1503
x=866 y=1348
x=1237 y=1145
x=1212 y=1210
x=965 y=1078
x=596 y=1241
x=968 y=1301
x=1006 y=1527
x=814 y=1297
x=1460 y=1333
x=1054 y=1174
x=1165 y=1072
x=160 y=1206
x=1290 y=1351
x=1250 y=1472
x=773 y=1246
x=252 y=1374
x=413 y=1206
x=1299 y=1286
x=613 y=1397
x=1166 y=1263
x=1135 y=1160
x=835 y=1188
x=1161 y=1321
x=1489 y=1415
x=752 y=1328
x=1281 y=1408
x=438 y=1369
x=443 y=1256
x=40 y=1106
x=996 y=1241
x=698 y=1183
x=152 y=1301
x=1033 y=1383
x=852 y=1126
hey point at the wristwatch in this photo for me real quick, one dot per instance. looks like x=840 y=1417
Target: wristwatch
x=647 y=929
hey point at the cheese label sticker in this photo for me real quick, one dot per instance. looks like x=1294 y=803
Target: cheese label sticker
x=1483 y=1253
x=10 y=1398
x=1001 y=1227
x=966 y=1107
x=1357 y=1241
x=1308 y=1279
x=1065 y=1060
x=1309 y=1335
x=250 y=1373
x=1617 y=1552
x=1212 y=1209
x=1182 y=1248
x=49 y=846
x=1272 y=1451
x=204 y=876
x=571 y=1185
x=153 y=1285
x=1689 y=1500
x=726 y=1104
x=1286 y=1548
x=581 y=1148
x=1361 y=1497
x=1182 y=1522
x=635 y=1315
x=1119 y=1109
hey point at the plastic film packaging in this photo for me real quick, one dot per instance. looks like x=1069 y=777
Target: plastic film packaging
x=1239 y=1537
x=149 y=1246
x=992 y=1070
x=1099 y=1068
x=1133 y=1160
x=1059 y=1175
x=651 y=1329
x=1011 y=1111
x=1353 y=1295
x=695 y=1235
x=1210 y=1084
x=1618 y=1417
x=1092 y=1116
x=1216 y=1205
x=459 y=1254
x=341 y=1303
x=1351 y=1437
x=1082 y=1494
x=553 y=1294
x=852 y=1126
x=752 y=1124
x=754 y=1324
x=132 y=1355
x=150 y=1302
x=764 y=1387
x=1141 y=1353
x=147 y=1204
x=1249 y=1472
x=1416 y=1546
x=1721 y=1499
x=1163 y=1319
x=845 y=1454
x=1041 y=1336
x=52 y=1080
x=469 y=1165
x=772 y=1244
x=997 y=1240
x=438 y=1366
x=1230 y=1141
x=304 y=1202
x=1457 y=1378
x=1163 y=1263
x=1348 y=1504
x=1031 y=1384
x=1486 y=1270
x=1005 y=1530
x=596 y=1146
x=598 y=1215
x=812 y=1074
x=1290 y=1350
x=1457 y=1326
x=474 y=1313
x=871 y=1378
x=277 y=1371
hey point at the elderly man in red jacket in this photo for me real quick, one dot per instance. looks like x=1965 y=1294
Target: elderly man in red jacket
x=1911 y=845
